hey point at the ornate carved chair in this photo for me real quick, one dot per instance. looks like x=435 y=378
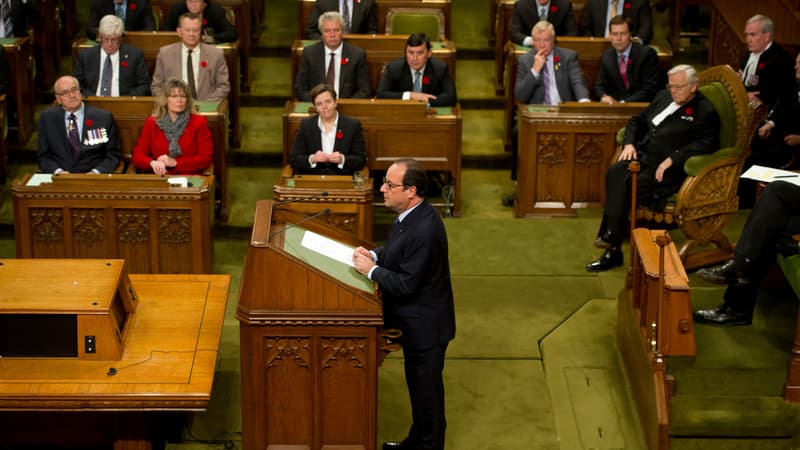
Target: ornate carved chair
x=707 y=198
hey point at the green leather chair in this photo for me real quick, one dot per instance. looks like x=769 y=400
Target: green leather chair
x=414 y=20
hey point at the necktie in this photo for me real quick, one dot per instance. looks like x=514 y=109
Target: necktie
x=545 y=85
x=119 y=11
x=346 y=16
x=542 y=13
x=330 y=77
x=5 y=14
x=108 y=73
x=190 y=74
x=623 y=70
x=614 y=4
x=74 y=139
x=417 y=81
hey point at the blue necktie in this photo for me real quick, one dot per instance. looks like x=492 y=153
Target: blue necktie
x=119 y=10
x=417 y=82
x=108 y=74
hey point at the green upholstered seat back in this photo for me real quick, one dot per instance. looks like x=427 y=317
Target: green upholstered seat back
x=715 y=92
x=413 y=22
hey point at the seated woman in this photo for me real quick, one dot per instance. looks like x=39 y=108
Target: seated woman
x=215 y=29
x=173 y=140
x=328 y=143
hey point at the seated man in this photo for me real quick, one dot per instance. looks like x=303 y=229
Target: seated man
x=137 y=15
x=418 y=76
x=528 y=12
x=629 y=71
x=333 y=62
x=75 y=137
x=767 y=69
x=200 y=65
x=216 y=27
x=328 y=143
x=680 y=122
x=597 y=13
x=112 y=68
x=358 y=16
x=768 y=231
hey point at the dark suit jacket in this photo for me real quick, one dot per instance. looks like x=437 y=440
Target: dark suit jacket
x=3 y=73
x=22 y=15
x=414 y=276
x=786 y=114
x=363 y=17
x=595 y=22
x=569 y=79
x=353 y=79
x=693 y=129
x=774 y=75
x=138 y=16
x=435 y=81
x=197 y=146
x=644 y=75
x=213 y=18
x=133 y=76
x=526 y=14
x=349 y=142
x=55 y=152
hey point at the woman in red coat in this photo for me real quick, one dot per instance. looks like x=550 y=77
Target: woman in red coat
x=173 y=140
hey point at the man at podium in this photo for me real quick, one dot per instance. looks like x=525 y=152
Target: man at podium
x=413 y=271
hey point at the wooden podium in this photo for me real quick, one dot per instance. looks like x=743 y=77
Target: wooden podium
x=310 y=335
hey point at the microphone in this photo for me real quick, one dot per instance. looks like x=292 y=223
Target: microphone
x=324 y=212
x=299 y=199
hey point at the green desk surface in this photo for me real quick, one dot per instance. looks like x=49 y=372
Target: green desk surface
x=206 y=106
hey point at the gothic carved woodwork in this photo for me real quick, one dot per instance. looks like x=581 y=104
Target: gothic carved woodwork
x=47 y=224
x=551 y=149
x=88 y=225
x=589 y=148
x=351 y=352
x=133 y=225
x=280 y=350
x=175 y=226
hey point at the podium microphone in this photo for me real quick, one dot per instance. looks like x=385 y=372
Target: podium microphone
x=324 y=212
x=299 y=199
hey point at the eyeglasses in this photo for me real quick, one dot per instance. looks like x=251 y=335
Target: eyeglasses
x=391 y=185
x=675 y=87
x=110 y=40
x=65 y=92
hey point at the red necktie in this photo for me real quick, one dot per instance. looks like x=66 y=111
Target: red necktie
x=623 y=71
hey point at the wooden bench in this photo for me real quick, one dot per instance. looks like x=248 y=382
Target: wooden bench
x=381 y=50
x=150 y=42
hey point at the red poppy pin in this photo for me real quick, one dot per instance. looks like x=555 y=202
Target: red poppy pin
x=426 y=80
x=688 y=111
x=124 y=63
x=132 y=6
x=358 y=1
x=203 y=64
x=553 y=8
x=629 y=61
x=344 y=61
x=89 y=122
x=556 y=58
x=626 y=6
x=339 y=134
x=760 y=66
x=205 y=22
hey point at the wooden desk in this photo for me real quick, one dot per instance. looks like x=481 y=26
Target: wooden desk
x=564 y=152
x=168 y=362
x=350 y=203
x=239 y=10
x=21 y=92
x=157 y=228
x=3 y=137
x=382 y=7
x=310 y=339
x=589 y=52
x=381 y=50
x=130 y=114
x=151 y=42
x=387 y=126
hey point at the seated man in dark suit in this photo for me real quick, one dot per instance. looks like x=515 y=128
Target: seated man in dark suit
x=528 y=12
x=23 y=13
x=358 y=16
x=328 y=143
x=215 y=25
x=767 y=69
x=680 y=122
x=768 y=231
x=112 y=68
x=75 y=137
x=597 y=14
x=334 y=62
x=781 y=132
x=629 y=71
x=418 y=76
x=137 y=15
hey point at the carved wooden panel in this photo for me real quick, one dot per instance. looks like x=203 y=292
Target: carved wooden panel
x=590 y=164
x=726 y=45
x=133 y=235
x=88 y=232
x=343 y=386
x=47 y=232
x=288 y=388
x=174 y=240
x=553 y=168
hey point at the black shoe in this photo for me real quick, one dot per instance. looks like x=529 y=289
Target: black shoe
x=724 y=274
x=724 y=315
x=607 y=240
x=508 y=200
x=610 y=259
x=395 y=445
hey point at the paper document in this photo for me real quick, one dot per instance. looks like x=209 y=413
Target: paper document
x=40 y=178
x=769 y=174
x=178 y=181
x=328 y=247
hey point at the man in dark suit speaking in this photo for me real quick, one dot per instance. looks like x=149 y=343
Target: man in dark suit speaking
x=680 y=122
x=629 y=71
x=75 y=137
x=112 y=68
x=413 y=272
x=418 y=76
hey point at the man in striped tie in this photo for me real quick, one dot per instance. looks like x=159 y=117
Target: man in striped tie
x=16 y=15
x=629 y=71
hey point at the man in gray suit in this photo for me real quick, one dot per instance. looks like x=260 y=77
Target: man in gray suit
x=200 y=65
x=334 y=62
x=546 y=75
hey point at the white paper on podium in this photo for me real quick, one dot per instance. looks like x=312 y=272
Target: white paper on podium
x=328 y=247
x=769 y=174
x=40 y=178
